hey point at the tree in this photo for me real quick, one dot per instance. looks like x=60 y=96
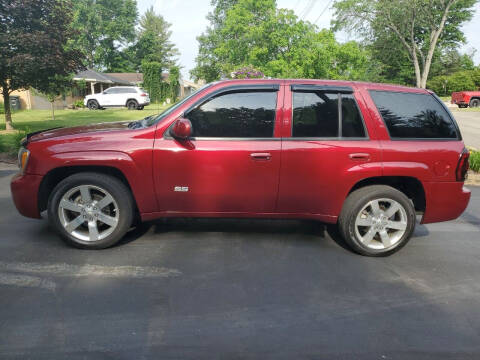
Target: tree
x=174 y=82
x=55 y=86
x=419 y=26
x=207 y=64
x=274 y=41
x=106 y=27
x=463 y=80
x=33 y=45
x=152 y=80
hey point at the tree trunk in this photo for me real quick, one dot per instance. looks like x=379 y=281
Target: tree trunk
x=433 y=43
x=53 y=110
x=416 y=66
x=6 y=104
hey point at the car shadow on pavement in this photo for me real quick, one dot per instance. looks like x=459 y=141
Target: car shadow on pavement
x=239 y=226
x=471 y=219
x=245 y=226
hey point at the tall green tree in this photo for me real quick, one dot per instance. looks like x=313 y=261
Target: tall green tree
x=276 y=42
x=416 y=27
x=154 y=44
x=33 y=45
x=106 y=28
x=208 y=65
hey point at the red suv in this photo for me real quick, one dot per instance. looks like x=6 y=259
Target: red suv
x=368 y=157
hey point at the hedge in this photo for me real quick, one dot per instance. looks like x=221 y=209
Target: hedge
x=460 y=81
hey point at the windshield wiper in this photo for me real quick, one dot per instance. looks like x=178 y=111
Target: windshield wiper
x=139 y=124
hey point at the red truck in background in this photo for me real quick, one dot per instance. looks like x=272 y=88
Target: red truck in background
x=466 y=98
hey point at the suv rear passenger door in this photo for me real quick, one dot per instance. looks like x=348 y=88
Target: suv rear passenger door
x=232 y=162
x=326 y=149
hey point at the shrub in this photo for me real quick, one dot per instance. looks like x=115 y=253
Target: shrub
x=247 y=72
x=2 y=109
x=475 y=161
x=78 y=104
x=464 y=80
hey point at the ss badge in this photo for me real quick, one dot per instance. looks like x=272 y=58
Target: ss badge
x=181 y=188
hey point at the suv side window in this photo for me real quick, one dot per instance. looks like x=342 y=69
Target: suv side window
x=414 y=116
x=112 y=91
x=247 y=114
x=317 y=114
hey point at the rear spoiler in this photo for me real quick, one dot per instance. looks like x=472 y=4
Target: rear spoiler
x=26 y=139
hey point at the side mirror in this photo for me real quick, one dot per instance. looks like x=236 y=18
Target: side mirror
x=182 y=129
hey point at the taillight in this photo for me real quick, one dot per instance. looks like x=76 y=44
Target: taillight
x=462 y=167
x=143 y=94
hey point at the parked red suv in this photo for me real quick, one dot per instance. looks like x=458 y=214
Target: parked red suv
x=368 y=157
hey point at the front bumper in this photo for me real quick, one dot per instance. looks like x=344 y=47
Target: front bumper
x=24 y=188
x=444 y=201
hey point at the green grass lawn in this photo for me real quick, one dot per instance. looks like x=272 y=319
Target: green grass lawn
x=35 y=120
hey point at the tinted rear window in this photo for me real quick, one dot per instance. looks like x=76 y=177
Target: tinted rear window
x=315 y=114
x=414 y=116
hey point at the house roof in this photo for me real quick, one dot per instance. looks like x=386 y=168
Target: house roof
x=133 y=78
x=92 y=75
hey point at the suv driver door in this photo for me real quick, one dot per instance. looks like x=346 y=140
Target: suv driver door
x=232 y=162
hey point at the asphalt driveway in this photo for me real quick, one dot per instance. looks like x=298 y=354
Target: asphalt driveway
x=241 y=289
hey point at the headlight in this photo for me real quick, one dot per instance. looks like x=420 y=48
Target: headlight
x=23 y=155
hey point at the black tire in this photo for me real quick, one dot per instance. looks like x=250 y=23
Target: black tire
x=140 y=107
x=354 y=204
x=93 y=105
x=121 y=195
x=132 y=104
x=474 y=103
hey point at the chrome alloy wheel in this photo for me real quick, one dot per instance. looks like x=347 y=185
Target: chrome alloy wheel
x=88 y=213
x=381 y=224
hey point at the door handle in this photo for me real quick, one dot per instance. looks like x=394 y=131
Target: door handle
x=359 y=156
x=261 y=156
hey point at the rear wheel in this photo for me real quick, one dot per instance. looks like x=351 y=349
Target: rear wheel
x=377 y=220
x=91 y=210
x=93 y=104
x=474 y=103
x=132 y=104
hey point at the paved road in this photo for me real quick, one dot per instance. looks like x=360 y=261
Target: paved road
x=469 y=123
x=221 y=289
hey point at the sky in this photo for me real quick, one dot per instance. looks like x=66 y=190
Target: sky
x=188 y=19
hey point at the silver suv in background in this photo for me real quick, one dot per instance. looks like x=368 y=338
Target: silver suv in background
x=130 y=96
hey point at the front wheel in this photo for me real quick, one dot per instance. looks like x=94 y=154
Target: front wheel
x=91 y=210
x=377 y=220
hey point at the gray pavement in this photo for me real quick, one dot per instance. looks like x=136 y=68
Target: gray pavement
x=241 y=289
x=469 y=123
